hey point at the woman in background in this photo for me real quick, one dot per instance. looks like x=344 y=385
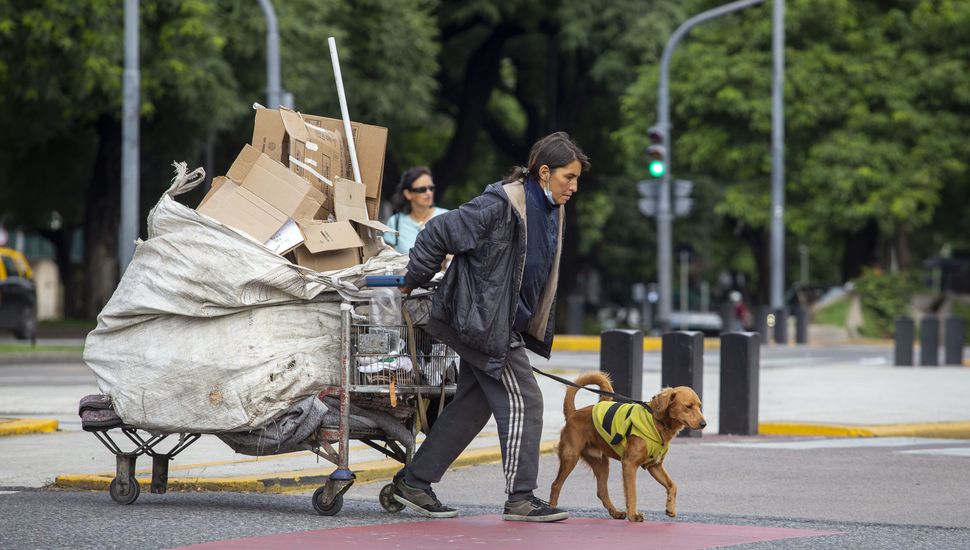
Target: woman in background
x=413 y=204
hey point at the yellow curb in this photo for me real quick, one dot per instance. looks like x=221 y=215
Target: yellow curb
x=572 y=342
x=22 y=426
x=283 y=482
x=947 y=430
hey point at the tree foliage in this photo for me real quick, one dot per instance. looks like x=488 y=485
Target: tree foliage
x=875 y=106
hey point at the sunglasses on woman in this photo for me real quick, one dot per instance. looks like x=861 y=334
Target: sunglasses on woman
x=421 y=189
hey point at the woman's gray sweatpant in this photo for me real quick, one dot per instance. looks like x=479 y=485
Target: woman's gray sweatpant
x=516 y=402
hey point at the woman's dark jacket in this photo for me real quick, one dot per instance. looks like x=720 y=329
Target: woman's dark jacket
x=474 y=308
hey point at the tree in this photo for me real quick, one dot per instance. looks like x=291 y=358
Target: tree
x=201 y=68
x=872 y=122
x=514 y=71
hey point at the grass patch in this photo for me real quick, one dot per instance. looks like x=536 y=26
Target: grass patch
x=11 y=347
x=834 y=314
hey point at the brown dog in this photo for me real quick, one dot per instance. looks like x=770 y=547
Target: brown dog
x=633 y=444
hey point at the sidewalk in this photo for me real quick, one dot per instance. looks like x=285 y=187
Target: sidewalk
x=834 y=399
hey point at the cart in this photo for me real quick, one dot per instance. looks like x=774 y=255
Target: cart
x=394 y=368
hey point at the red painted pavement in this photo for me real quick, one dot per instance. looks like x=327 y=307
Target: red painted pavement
x=492 y=533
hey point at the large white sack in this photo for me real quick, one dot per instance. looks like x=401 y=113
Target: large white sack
x=210 y=331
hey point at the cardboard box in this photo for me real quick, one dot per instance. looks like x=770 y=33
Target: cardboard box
x=370 y=142
x=239 y=208
x=313 y=153
x=278 y=186
x=259 y=196
x=346 y=242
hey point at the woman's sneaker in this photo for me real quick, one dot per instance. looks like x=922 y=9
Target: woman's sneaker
x=422 y=501
x=532 y=509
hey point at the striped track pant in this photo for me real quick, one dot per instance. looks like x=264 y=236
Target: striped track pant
x=516 y=403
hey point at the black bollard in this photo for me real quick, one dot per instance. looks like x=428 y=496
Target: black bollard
x=953 y=340
x=781 y=327
x=903 y=341
x=740 y=361
x=929 y=341
x=801 y=325
x=761 y=323
x=682 y=364
x=621 y=357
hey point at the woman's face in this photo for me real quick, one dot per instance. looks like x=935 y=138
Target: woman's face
x=562 y=181
x=421 y=192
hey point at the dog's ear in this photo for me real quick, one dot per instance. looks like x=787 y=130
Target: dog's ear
x=662 y=401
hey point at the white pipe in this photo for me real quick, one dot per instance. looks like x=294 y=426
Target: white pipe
x=343 y=108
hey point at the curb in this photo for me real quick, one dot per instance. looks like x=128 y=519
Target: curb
x=591 y=343
x=16 y=358
x=24 y=426
x=283 y=482
x=945 y=430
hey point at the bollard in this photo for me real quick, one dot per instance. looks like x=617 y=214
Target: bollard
x=781 y=327
x=903 y=341
x=953 y=340
x=682 y=364
x=575 y=314
x=761 y=323
x=740 y=362
x=801 y=325
x=621 y=357
x=929 y=341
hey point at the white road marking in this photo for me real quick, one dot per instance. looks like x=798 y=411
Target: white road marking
x=950 y=451
x=837 y=443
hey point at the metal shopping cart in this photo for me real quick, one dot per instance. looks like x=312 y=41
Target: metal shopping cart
x=391 y=371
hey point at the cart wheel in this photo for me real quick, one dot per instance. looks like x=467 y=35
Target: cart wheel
x=127 y=497
x=387 y=499
x=327 y=508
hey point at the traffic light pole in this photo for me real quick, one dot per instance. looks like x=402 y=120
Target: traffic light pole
x=664 y=214
x=777 y=157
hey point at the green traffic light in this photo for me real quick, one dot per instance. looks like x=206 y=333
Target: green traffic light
x=656 y=168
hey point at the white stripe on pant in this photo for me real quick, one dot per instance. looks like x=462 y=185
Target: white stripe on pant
x=516 y=402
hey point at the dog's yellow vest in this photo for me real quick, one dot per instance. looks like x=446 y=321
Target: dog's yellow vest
x=616 y=422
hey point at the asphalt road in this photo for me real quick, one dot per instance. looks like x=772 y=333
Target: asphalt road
x=895 y=494
x=875 y=493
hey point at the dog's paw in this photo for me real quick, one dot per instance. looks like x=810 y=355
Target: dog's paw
x=637 y=517
x=616 y=514
x=671 y=513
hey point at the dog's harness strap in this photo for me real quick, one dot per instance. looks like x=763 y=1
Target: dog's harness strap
x=614 y=395
x=608 y=417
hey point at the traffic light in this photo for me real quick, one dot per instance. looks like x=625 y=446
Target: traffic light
x=656 y=153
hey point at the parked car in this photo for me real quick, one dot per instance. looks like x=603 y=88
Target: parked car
x=18 y=295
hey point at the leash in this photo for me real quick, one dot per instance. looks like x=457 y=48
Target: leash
x=614 y=395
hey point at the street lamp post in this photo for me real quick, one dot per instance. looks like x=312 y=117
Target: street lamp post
x=128 y=226
x=274 y=92
x=664 y=215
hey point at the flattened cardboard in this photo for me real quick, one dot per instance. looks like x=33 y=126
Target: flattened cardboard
x=243 y=210
x=327 y=237
x=345 y=242
x=328 y=261
x=349 y=200
x=370 y=143
x=311 y=152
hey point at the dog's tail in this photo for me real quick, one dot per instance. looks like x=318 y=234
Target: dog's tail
x=598 y=378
